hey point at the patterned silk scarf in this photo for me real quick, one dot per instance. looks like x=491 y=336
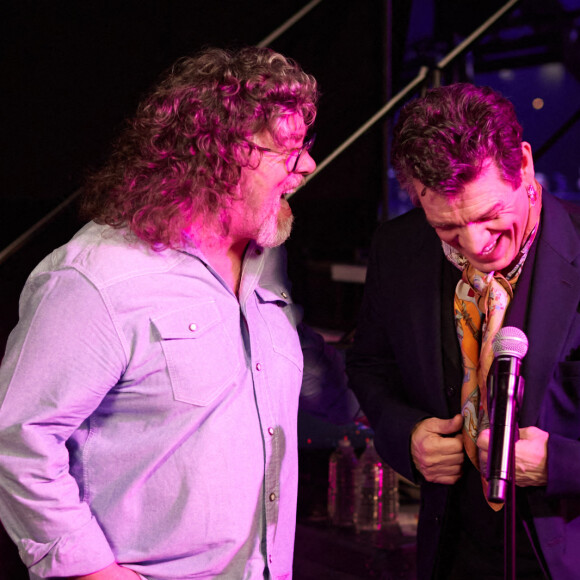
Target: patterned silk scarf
x=480 y=305
x=481 y=301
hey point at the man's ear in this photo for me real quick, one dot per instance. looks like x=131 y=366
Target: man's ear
x=528 y=172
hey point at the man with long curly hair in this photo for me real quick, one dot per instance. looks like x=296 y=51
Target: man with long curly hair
x=150 y=389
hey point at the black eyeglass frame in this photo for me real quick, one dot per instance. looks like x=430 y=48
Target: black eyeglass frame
x=307 y=146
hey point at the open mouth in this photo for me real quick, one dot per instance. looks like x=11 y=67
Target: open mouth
x=290 y=191
x=490 y=248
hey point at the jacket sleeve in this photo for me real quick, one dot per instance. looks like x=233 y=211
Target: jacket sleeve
x=374 y=369
x=61 y=360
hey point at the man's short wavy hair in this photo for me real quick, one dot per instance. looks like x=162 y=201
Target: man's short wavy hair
x=445 y=138
x=180 y=157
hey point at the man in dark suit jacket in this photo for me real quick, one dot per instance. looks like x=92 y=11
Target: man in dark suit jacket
x=483 y=224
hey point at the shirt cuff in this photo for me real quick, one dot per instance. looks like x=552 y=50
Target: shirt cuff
x=84 y=551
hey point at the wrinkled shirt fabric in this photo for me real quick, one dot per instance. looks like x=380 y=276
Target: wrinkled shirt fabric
x=149 y=417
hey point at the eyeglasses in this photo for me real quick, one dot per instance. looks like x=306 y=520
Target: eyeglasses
x=293 y=157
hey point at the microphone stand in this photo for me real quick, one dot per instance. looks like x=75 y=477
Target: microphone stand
x=510 y=512
x=505 y=489
x=505 y=395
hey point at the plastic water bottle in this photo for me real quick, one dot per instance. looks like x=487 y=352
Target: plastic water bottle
x=390 y=496
x=369 y=490
x=341 y=469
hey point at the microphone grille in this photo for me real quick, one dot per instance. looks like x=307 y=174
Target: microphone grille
x=510 y=341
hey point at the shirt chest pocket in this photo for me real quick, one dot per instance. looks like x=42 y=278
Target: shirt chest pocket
x=200 y=354
x=277 y=311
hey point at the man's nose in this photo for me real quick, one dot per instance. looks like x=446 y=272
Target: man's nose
x=474 y=238
x=306 y=164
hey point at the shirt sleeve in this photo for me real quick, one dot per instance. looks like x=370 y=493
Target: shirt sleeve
x=61 y=360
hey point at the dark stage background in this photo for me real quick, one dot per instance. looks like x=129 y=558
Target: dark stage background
x=72 y=70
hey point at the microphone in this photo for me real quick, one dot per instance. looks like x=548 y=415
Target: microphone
x=505 y=394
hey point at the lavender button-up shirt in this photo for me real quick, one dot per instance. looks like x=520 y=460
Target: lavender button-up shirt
x=148 y=416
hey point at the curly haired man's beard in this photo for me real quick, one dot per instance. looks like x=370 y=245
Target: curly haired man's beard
x=276 y=229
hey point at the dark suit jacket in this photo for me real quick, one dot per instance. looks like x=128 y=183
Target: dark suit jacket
x=402 y=374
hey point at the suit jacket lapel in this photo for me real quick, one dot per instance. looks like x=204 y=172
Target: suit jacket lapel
x=554 y=292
